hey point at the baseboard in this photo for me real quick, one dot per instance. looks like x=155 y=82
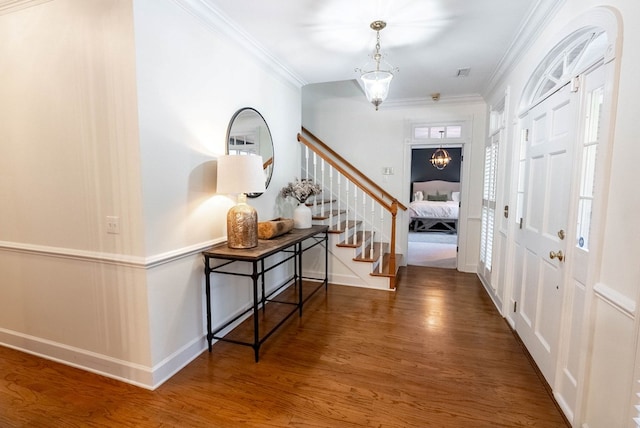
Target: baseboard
x=566 y=409
x=491 y=294
x=177 y=361
x=468 y=268
x=354 y=281
x=124 y=371
x=546 y=385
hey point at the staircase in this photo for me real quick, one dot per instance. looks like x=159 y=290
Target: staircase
x=360 y=214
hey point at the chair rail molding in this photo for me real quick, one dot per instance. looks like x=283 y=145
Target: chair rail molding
x=110 y=258
x=616 y=299
x=10 y=6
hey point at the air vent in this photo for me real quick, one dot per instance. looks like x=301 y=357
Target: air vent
x=463 y=72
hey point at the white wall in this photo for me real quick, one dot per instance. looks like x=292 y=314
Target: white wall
x=119 y=108
x=69 y=157
x=339 y=114
x=191 y=79
x=608 y=348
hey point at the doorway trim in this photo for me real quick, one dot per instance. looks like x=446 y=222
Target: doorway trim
x=411 y=143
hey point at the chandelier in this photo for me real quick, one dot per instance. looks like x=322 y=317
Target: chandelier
x=440 y=158
x=376 y=80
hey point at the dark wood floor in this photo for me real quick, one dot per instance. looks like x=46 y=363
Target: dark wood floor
x=433 y=354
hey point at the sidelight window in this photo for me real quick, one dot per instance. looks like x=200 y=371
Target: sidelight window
x=588 y=173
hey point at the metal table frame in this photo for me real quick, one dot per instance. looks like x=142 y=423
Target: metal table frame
x=293 y=244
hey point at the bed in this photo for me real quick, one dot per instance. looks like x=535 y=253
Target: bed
x=435 y=206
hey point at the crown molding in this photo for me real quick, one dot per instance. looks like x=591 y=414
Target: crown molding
x=217 y=21
x=539 y=17
x=428 y=101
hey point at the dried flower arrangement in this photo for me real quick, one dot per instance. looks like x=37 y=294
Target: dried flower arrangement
x=301 y=190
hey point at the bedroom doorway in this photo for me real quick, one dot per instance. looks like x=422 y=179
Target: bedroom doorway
x=432 y=239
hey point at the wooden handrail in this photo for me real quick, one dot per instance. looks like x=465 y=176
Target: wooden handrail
x=353 y=168
x=346 y=173
x=268 y=163
x=392 y=208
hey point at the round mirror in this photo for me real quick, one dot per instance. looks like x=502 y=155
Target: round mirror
x=248 y=133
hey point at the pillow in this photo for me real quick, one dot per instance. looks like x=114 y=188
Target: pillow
x=418 y=196
x=438 y=198
x=455 y=196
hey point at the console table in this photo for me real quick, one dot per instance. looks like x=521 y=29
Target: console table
x=291 y=245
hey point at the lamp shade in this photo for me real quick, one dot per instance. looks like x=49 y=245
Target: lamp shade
x=240 y=174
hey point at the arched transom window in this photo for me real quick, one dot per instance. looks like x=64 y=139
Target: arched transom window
x=571 y=57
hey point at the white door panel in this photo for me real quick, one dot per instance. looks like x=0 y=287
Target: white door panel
x=536 y=191
x=529 y=300
x=558 y=197
x=547 y=179
x=548 y=322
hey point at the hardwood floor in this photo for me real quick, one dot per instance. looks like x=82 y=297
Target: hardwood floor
x=435 y=353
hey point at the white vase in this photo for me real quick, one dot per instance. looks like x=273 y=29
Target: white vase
x=302 y=217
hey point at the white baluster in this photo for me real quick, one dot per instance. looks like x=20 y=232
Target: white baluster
x=381 y=228
x=315 y=178
x=346 y=208
x=373 y=239
x=373 y=222
x=364 y=210
x=306 y=162
x=330 y=196
x=322 y=172
x=315 y=161
x=355 y=214
x=339 y=198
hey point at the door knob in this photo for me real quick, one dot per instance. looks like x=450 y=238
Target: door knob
x=561 y=234
x=559 y=255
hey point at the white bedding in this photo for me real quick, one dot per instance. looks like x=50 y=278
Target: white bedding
x=432 y=209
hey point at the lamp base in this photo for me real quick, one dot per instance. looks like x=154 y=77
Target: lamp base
x=242 y=225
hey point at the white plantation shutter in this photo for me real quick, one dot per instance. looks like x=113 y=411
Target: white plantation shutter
x=489 y=202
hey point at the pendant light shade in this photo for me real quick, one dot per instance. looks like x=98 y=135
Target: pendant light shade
x=376 y=77
x=376 y=86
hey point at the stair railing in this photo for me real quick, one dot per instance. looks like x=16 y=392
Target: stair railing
x=357 y=185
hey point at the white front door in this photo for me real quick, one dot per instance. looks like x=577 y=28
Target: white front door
x=550 y=129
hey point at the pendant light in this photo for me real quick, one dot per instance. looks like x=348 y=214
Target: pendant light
x=376 y=78
x=440 y=158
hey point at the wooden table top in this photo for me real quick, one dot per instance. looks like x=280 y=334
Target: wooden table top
x=266 y=247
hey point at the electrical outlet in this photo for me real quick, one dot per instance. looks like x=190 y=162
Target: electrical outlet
x=113 y=224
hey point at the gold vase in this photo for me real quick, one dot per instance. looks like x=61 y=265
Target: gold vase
x=242 y=225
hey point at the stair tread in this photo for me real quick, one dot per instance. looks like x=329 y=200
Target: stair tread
x=319 y=202
x=385 y=267
x=343 y=226
x=368 y=257
x=327 y=214
x=360 y=236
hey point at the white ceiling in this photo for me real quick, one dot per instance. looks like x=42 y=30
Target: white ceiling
x=322 y=41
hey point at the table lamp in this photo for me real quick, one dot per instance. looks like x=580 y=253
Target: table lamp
x=241 y=174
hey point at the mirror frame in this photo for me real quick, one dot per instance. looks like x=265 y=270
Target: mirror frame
x=269 y=162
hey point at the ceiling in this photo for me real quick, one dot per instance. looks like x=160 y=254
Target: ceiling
x=427 y=40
